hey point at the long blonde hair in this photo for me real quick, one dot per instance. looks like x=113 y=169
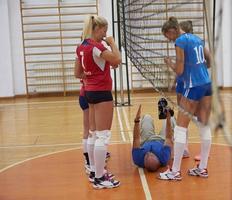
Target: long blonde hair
x=90 y=23
x=172 y=23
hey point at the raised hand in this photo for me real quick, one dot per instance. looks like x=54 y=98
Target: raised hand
x=138 y=114
x=109 y=40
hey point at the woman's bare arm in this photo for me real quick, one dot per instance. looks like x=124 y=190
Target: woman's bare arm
x=114 y=56
x=207 y=57
x=177 y=66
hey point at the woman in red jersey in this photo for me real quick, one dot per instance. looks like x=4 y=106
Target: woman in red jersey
x=93 y=65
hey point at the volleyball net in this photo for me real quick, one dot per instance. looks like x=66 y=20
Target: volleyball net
x=140 y=29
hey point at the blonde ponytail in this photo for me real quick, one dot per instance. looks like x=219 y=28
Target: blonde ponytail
x=90 y=23
x=87 y=30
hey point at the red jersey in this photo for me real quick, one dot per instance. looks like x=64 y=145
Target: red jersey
x=89 y=56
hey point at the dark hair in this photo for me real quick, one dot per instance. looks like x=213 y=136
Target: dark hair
x=172 y=23
x=186 y=26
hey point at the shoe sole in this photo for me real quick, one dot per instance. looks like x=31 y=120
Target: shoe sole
x=179 y=179
x=104 y=187
x=87 y=171
x=92 y=180
x=185 y=156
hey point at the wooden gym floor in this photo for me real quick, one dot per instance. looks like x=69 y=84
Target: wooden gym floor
x=41 y=156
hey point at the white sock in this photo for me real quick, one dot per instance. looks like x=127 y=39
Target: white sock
x=205 y=149
x=179 y=145
x=186 y=145
x=91 y=157
x=90 y=148
x=84 y=145
x=100 y=157
x=100 y=149
x=178 y=154
x=205 y=134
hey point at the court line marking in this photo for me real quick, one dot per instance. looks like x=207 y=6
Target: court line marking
x=50 y=145
x=64 y=101
x=120 y=125
x=71 y=149
x=46 y=107
x=68 y=101
x=72 y=144
x=128 y=125
x=44 y=155
x=141 y=171
x=35 y=157
x=36 y=103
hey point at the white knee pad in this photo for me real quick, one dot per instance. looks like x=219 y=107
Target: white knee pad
x=205 y=132
x=180 y=134
x=103 y=138
x=92 y=137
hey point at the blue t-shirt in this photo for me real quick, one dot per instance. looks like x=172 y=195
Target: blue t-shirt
x=195 y=70
x=163 y=152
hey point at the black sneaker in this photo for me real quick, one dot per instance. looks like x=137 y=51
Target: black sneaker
x=107 y=175
x=105 y=182
x=87 y=166
x=87 y=169
x=107 y=156
x=91 y=177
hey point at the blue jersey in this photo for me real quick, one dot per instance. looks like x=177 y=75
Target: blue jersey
x=157 y=147
x=195 y=70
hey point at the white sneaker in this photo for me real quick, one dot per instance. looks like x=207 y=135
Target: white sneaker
x=170 y=175
x=196 y=171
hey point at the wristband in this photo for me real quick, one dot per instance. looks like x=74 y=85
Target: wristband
x=136 y=120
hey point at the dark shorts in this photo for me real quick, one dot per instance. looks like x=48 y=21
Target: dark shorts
x=83 y=102
x=94 y=97
x=198 y=92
